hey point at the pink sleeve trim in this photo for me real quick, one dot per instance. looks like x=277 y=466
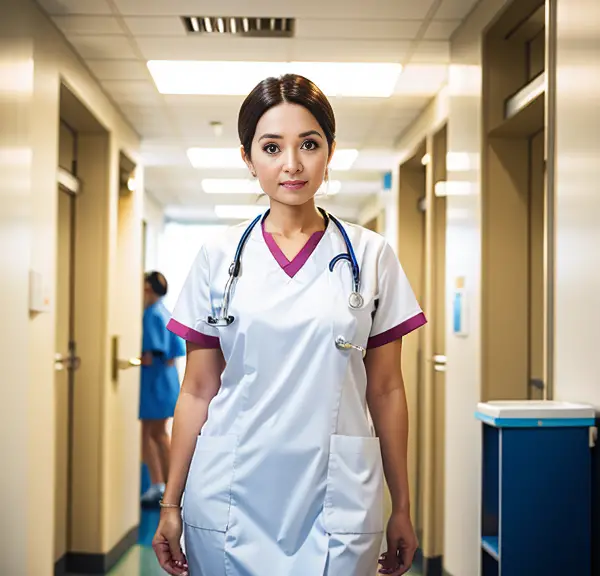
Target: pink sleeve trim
x=193 y=336
x=397 y=332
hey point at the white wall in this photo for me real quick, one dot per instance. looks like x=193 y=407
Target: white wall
x=577 y=373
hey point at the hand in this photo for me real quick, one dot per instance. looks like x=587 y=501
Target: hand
x=401 y=545
x=166 y=543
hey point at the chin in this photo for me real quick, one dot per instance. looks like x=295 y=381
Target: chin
x=291 y=198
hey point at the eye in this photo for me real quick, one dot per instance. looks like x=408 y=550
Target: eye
x=309 y=145
x=271 y=148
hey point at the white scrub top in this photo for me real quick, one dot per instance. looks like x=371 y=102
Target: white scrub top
x=287 y=477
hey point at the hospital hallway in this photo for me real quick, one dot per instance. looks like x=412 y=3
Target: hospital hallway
x=368 y=235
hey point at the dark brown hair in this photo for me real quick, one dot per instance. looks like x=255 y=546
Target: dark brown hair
x=157 y=282
x=290 y=88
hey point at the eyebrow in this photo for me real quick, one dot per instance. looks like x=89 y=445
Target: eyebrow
x=279 y=137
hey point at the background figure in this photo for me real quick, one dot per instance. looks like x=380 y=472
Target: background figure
x=159 y=385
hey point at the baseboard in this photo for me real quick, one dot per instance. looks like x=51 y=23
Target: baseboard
x=428 y=566
x=83 y=563
x=60 y=566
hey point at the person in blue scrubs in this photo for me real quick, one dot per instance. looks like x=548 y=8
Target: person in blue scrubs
x=159 y=388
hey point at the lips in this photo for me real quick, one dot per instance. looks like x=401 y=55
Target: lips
x=293 y=184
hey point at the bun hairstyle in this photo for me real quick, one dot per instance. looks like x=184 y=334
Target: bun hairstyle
x=157 y=282
x=290 y=88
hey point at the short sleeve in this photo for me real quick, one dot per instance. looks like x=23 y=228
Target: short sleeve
x=155 y=337
x=193 y=307
x=397 y=311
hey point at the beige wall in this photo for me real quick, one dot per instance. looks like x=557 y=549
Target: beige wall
x=33 y=59
x=154 y=216
x=578 y=202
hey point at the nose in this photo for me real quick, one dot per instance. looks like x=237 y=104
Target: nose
x=292 y=162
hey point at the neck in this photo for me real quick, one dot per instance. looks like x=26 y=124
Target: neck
x=290 y=220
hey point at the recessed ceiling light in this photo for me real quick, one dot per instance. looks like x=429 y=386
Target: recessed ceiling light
x=231 y=158
x=238 y=212
x=366 y=80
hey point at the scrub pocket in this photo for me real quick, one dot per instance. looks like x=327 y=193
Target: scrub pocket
x=354 y=494
x=207 y=496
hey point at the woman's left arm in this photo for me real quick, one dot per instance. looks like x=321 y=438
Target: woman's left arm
x=386 y=399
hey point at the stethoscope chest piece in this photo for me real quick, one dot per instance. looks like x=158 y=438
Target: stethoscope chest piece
x=220 y=321
x=342 y=344
x=355 y=300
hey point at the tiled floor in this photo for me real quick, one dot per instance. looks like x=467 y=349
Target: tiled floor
x=140 y=561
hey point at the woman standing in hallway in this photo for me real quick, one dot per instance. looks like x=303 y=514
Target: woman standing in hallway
x=159 y=385
x=271 y=437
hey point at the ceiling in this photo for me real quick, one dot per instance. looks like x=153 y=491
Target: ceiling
x=116 y=38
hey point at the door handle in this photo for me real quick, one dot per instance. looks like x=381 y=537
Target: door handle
x=119 y=363
x=66 y=362
x=439 y=362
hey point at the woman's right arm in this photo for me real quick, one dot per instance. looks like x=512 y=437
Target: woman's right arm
x=200 y=385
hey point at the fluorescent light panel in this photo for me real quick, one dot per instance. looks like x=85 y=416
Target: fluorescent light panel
x=344 y=79
x=231 y=158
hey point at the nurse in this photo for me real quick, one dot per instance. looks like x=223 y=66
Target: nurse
x=272 y=440
x=159 y=385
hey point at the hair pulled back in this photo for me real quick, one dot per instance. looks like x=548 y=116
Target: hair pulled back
x=290 y=88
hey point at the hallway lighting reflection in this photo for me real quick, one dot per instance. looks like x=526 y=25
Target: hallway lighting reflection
x=342 y=79
x=453 y=188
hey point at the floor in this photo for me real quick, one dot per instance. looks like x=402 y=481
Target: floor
x=140 y=561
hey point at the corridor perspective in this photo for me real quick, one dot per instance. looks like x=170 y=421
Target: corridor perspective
x=300 y=288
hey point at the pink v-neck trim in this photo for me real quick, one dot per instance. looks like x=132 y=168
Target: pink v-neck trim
x=293 y=267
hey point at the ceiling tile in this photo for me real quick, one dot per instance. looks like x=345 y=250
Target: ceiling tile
x=87 y=25
x=59 y=7
x=441 y=29
x=192 y=48
x=357 y=29
x=119 y=69
x=332 y=9
x=420 y=79
x=454 y=9
x=141 y=92
x=350 y=50
x=103 y=47
x=431 y=52
x=156 y=26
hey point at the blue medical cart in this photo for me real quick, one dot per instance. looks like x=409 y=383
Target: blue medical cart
x=536 y=488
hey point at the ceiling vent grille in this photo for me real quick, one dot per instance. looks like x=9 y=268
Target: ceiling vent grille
x=253 y=27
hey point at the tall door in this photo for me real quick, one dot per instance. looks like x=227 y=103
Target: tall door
x=64 y=378
x=432 y=441
x=66 y=360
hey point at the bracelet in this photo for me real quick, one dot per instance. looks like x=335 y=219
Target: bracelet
x=163 y=504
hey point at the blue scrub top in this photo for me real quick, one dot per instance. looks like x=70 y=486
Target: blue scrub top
x=159 y=388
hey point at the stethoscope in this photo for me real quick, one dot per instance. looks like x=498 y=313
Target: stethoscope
x=355 y=300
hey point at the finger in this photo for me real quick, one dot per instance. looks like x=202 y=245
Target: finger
x=165 y=559
x=179 y=559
